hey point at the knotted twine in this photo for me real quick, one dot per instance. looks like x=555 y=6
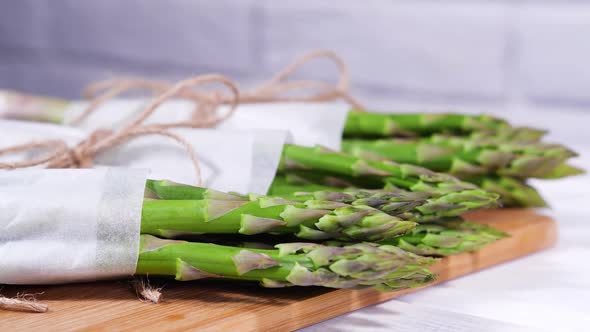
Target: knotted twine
x=82 y=156
x=278 y=89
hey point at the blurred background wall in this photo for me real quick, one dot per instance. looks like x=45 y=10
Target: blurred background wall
x=490 y=53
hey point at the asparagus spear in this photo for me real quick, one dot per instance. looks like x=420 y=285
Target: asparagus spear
x=448 y=238
x=365 y=124
x=293 y=264
x=412 y=206
x=513 y=192
x=462 y=156
x=416 y=206
x=405 y=176
x=253 y=214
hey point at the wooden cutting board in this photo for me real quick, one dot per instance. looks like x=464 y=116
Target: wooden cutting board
x=215 y=305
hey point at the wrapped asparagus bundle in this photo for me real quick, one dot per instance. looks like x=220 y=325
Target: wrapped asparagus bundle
x=95 y=227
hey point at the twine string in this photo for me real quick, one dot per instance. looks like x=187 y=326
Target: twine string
x=279 y=88
x=22 y=302
x=181 y=90
x=279 y=83
x=111 y=90
x=84 y=153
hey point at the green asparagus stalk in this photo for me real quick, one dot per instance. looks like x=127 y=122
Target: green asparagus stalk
x=448 y=238
x=404 y=176
x=445 y=238
x=513 y=192
x=366 y=124
x=248 y=215
x=289 y=186
x=292 y=264
x=405 y=205
x=415 y=206
x=462 y=156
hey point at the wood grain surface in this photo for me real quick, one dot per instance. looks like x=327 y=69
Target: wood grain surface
x=214 y=305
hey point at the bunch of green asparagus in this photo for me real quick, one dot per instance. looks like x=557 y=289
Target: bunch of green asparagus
x=356 y=238
x=443 y=194
x=480 y=149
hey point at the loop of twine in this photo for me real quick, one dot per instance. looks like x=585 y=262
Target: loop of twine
x=274 y=90
x=83 y=154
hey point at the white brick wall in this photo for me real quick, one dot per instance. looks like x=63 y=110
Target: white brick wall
x=408 y=47
x=488 y=52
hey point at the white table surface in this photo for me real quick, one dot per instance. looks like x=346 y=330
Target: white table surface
x=546 y=291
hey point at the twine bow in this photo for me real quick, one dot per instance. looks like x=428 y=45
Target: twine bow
x=83 y=154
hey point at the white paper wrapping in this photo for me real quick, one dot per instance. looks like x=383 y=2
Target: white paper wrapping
x=237 y=160
x=309 y=123
x=242 y=161
x=69 y=225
